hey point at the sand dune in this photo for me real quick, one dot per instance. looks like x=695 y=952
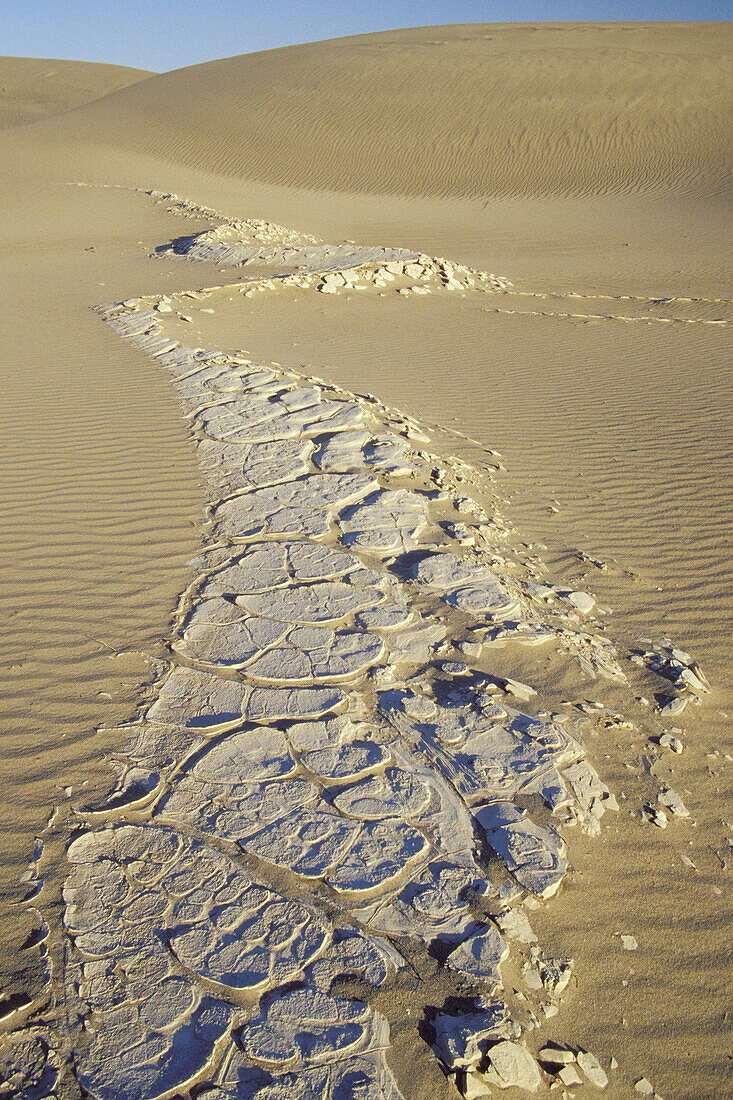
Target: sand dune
x=462 y=111
x=34 y=88
x=590 y=166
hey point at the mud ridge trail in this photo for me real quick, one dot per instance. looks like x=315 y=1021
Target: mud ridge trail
x=335 y=746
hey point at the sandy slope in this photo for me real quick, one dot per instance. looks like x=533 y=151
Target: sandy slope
x=97 y=519
x=573 y=159
x=34 y=88
x=456 y=111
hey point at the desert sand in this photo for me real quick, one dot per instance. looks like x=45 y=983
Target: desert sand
x=534 y=325
x=32 y=88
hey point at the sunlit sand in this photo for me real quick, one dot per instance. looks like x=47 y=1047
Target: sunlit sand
x=367 y=576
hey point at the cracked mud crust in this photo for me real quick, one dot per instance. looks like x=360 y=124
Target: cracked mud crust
x=330 y=779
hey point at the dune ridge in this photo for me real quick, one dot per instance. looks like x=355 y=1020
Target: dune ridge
x=463 y=111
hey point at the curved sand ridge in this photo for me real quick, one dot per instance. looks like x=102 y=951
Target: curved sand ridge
x=461 y=111
x=327 y=779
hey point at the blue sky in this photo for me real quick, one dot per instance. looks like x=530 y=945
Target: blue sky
x=160 y=35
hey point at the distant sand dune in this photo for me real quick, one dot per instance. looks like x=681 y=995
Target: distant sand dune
x=33 y=88
x=462 y=111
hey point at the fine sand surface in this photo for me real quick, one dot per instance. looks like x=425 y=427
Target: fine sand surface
x=32 y=88
x=472 y=111
x=590 y=167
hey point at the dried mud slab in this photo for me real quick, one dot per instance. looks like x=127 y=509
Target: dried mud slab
x=152 y=917
x=305 y=507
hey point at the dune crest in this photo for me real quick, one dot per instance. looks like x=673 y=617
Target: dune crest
x=459 y=111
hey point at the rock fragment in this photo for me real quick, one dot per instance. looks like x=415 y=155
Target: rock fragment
x=472 y=1086
x=534 y=855
x=480 y=956
x=520 y=691
x=556 y=1056
x=657 y=817
x=556 y=975
x=592 y=1069
x=461 y=1041
x=569 y=1076
x=672 y=802
x=512 y=1066
x=581 y=601
x=514 y=925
